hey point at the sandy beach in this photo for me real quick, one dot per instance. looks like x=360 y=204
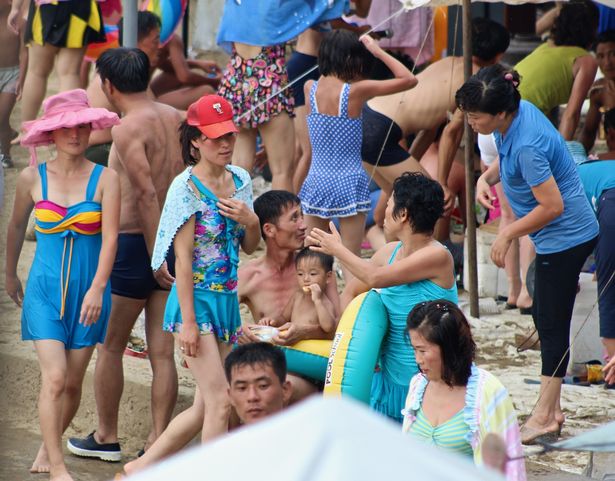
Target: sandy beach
x=584 y=407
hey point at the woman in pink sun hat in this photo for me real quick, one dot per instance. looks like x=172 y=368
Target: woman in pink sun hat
x=67 y=299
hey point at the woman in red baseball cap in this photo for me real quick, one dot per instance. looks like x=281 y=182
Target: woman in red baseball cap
x=207 y=216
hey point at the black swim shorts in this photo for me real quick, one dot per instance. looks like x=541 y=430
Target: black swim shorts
x=132 y=272
x=375 y=129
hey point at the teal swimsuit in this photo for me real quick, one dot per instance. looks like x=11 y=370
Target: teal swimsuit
x=397 y=363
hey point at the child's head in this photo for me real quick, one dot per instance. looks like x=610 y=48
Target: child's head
x=313 y=268
x=609 y=129
x=342 y=55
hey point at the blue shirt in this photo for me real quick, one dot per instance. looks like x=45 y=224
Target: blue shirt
x=273 y=22
x=597 y=176
x=531 y=152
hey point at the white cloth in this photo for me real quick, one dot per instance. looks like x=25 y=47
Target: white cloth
x=488 y=149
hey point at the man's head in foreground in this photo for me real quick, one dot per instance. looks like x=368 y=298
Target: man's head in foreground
x=256 y=374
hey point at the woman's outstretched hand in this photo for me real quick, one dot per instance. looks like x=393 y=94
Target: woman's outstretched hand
x=321 y=241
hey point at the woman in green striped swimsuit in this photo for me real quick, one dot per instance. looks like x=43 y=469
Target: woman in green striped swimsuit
x=451 y=403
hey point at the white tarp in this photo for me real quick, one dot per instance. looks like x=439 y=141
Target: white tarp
x=318 y=440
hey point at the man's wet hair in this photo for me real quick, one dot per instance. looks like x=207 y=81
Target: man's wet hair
x=489 y=38
x=272 y=204
x=608 y=36
x=126 y=68
x=342 y=55
x=576 y=25
x=146 y=22
x=381 y=72
x=254 y=354
x=325 y=260
x=421 y=198
x=609 y=120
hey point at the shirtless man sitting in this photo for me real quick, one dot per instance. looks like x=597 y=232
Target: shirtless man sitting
x=182 y=81
x=602 y=92
x=146 y=154
x=267 y=284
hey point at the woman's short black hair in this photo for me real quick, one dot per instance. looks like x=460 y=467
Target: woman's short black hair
x=442 y=323
x=187 y=133
x=342 y=55
x=576 y=25
x=492 y=90
x=126 y=68
x=421 y=198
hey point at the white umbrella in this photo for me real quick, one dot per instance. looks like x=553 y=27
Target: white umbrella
x=322 y=439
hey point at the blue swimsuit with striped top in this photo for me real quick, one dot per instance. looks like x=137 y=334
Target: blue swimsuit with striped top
x=68 y=243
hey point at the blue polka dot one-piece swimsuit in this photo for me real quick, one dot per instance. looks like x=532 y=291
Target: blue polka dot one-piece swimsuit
x=336 y=184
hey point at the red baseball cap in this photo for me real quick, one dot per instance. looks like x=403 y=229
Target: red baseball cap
x=212 y=115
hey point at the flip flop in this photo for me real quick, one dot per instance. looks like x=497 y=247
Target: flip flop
x=526 y=311
x=541 y=437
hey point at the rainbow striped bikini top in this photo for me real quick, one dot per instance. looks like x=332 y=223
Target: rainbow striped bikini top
x=84 y=218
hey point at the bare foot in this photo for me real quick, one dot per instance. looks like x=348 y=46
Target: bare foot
x=16 y=140
x=532 y=431
x=60 y=474
x=41 y=462
x=132 y=466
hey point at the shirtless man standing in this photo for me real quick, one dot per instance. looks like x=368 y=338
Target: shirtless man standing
x=602 y=92
x=421 y=110
x=148 y=40
x=146 y=155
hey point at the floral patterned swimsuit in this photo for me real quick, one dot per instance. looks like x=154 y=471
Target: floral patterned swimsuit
x=248 y=82
x=214 y=270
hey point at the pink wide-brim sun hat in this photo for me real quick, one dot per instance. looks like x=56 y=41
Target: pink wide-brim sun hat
x=65 y=110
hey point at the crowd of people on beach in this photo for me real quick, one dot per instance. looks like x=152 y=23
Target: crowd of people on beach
x=148 y=200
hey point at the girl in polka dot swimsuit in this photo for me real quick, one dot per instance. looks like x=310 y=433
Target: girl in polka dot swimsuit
x=337 y=185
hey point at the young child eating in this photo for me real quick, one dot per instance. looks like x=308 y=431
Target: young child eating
x=309 y=305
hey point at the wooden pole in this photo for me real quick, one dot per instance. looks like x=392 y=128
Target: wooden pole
x=469 y=164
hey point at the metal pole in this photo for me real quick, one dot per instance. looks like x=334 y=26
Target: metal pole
x=186 y=29
x=469 y=164
x=129 y=23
